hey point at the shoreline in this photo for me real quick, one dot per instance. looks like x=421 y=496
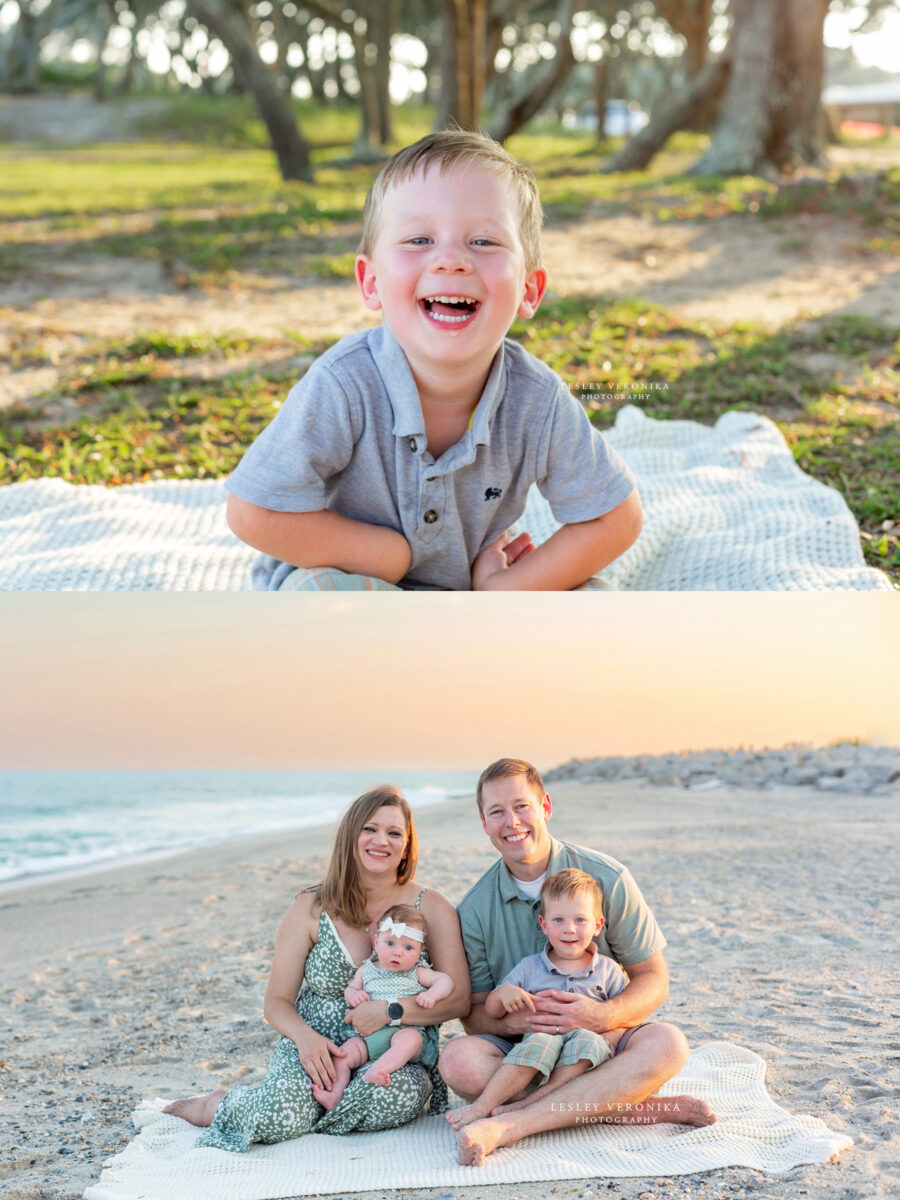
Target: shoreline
x=777 y=905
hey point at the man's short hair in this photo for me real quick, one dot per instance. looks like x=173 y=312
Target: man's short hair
x=506 y=768
x=454 y=147
x=568 y=884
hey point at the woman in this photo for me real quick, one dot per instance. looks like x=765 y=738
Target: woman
x=323 y=938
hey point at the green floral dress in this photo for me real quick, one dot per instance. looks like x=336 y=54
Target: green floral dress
x=282 y=1106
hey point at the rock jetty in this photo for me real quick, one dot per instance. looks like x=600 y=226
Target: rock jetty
x=845 y=767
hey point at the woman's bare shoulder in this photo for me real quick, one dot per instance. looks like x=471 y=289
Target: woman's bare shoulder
x=303 y=914
x=435 y=903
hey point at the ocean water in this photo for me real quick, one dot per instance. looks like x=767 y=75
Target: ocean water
x=59 y=821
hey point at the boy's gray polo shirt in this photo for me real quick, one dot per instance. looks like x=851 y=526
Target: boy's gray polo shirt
x=350 y=437
x=500 y=926
x=602 y=980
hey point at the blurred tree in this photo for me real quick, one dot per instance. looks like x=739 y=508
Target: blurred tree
x=228 y=21
x=770 y=113
x=541 y=82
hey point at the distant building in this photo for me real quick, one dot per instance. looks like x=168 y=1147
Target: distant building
x=863 y=103
x=623 y=118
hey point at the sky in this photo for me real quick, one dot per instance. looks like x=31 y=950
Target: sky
x=247 y=680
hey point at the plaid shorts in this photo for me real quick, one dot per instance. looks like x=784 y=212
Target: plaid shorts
x=544 y=1051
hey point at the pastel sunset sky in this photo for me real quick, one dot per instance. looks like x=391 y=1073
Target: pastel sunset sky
x=254 y=681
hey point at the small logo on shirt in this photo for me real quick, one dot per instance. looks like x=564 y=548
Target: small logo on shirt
x=493 y=493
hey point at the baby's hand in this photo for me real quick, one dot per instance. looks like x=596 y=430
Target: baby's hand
x=424 y=1000
x=514 y=999
x=360 y=998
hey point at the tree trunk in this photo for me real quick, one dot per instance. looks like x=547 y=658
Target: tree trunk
x=769 y=119
x=385 y=19
x=691 y=19
x=540 y=85
x=601 y=92
x=466 y=32
x=676 y=113
x=274 y=107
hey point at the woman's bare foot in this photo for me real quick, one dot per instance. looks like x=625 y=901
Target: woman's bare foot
x=197 y=1110
x=478 y=1140
x=662 y=1110
x=466 y=1115
x=378 y=1076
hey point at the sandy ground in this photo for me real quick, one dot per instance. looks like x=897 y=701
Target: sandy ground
x=132 y=983
x=725 y=270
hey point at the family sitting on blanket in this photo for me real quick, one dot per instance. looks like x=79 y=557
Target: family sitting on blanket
x=332 y=929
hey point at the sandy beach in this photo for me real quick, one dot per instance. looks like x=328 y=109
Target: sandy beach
x=779 y=907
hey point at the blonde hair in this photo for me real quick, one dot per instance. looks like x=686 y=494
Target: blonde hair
x=342 y=892
x=569 y=884
x=505 y=768
x=449 y=148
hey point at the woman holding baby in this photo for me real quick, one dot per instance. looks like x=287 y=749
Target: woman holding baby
x=327 y=1073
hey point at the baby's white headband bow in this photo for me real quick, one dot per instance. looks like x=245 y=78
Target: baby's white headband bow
x=398 y=929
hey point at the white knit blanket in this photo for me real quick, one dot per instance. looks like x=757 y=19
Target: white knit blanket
x=161 y=1163
x=725 y=509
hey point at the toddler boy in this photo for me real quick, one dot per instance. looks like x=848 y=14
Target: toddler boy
x=571 y=915
x=405 y=454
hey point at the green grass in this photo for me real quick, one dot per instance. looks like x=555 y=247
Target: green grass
x=211 y=214
x=144 y=420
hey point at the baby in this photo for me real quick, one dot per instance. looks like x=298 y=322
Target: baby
x=571 y=915
x=392 y=971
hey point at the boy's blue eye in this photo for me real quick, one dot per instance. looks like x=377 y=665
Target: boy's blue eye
x=420 y=240
x=483 y=241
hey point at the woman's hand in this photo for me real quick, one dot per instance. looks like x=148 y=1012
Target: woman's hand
x=369 y=1017
x=316 y=1054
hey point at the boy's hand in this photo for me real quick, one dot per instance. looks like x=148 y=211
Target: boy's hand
x=514 y=999
x=497 y=556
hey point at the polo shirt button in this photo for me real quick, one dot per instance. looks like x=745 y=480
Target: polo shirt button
x=412 y=445
x=571 y=989
x=430 y=517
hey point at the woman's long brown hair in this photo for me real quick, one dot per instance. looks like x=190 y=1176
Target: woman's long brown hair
x=342 y=892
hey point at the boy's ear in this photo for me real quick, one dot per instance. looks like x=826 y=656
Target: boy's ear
x=365 y=277
x=535 y=286
x=542 y=923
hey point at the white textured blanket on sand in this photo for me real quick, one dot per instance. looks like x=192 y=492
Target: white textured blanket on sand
x=162 y=1163
x=725 y=509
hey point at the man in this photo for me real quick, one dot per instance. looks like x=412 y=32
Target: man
x=500 y=927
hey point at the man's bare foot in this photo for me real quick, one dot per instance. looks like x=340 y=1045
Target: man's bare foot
x=662 y=1110
x=197 y=1110
x=466 y=1115
x=378 y=1076
x=478 y=1140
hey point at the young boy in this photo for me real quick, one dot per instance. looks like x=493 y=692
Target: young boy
x=571 y=915
x=406 y=452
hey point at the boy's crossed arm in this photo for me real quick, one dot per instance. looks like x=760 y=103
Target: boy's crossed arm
x=573 y=554
x=321 y=539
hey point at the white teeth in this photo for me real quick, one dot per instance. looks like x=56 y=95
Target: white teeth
x=448 y=320
x=450 y=299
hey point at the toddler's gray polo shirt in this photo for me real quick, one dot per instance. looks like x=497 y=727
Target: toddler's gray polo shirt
x=602 y=980
x=350 y=437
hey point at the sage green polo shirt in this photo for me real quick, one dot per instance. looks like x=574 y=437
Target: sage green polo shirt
x=500 y=925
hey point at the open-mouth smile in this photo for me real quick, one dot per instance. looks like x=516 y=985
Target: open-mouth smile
x=452 y=312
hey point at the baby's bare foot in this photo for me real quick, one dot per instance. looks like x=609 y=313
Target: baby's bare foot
x=327 y=1097
x=478 y=1140
x=197 y=1110
x=378 y=1076
x=466 y=1115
